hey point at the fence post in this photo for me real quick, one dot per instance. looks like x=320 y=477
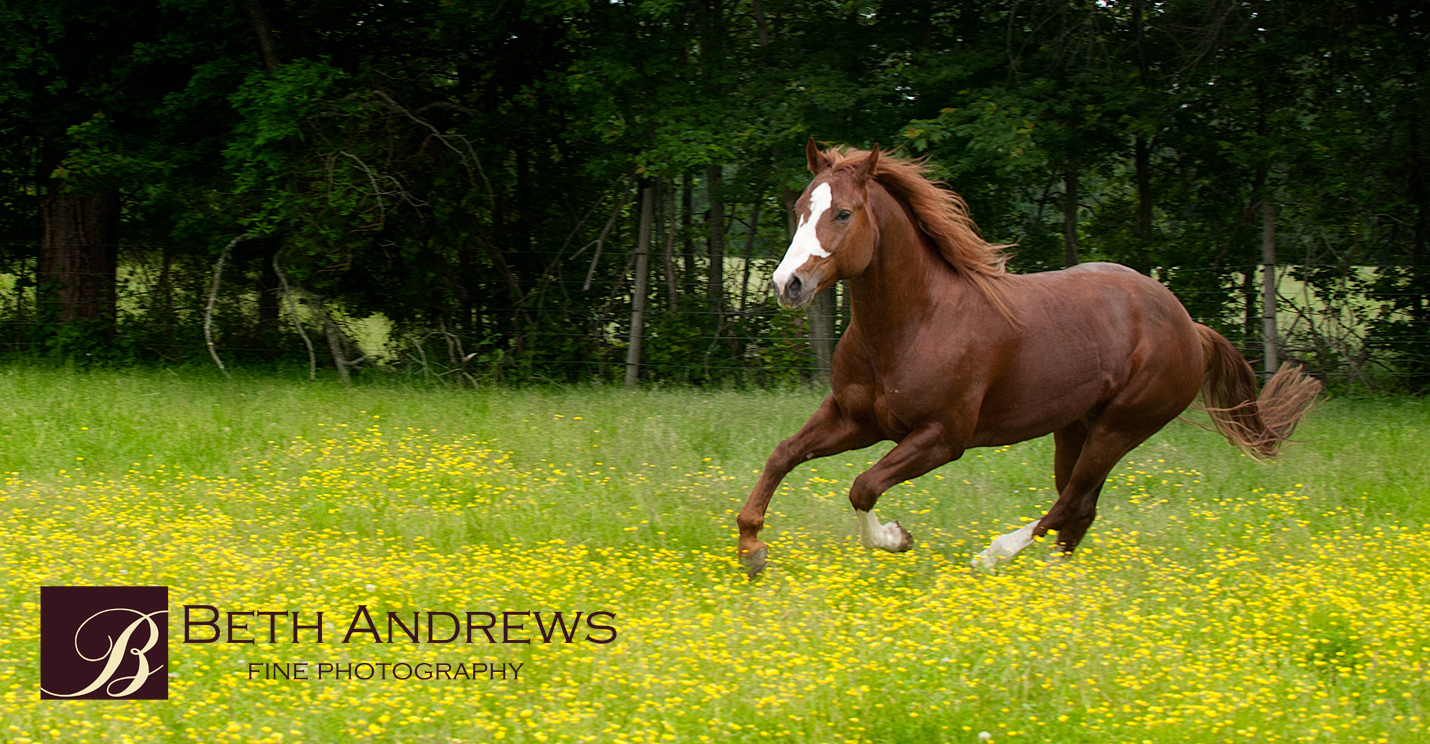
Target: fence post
x=1268 y=287
x=638 y=292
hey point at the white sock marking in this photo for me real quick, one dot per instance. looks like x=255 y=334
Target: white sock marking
x=874 y=535
x=1005 y=547
x=805 y=244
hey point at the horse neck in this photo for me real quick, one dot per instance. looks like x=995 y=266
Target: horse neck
x=904 y=278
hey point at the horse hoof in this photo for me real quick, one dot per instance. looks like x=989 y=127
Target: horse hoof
x=906 y=540
x=755 y=562
x=985 y=565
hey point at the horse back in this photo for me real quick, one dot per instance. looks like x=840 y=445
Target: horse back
x=1082 y=337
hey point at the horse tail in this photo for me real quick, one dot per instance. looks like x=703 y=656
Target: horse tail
x=1258 y=424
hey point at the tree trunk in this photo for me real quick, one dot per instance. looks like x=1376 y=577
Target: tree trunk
x=715 y=281
x=846 y=310
x=749 y=254
x=164 y=302
x=269 y=320
x=638 y=292
x=1070 y=257
x=78 y=257
x=687 y=232
x=762 y=26
x=1250 y=305
x=1419 y=286
x=1142 y=152
x=258 y=21
x=1142 y=160
x=672 y=284
x=821 y=335
x=1261 y=189
x=337 y=347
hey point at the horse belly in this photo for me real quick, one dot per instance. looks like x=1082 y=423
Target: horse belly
x=1030 y=405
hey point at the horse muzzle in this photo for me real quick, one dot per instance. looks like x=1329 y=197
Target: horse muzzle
x=796 y=293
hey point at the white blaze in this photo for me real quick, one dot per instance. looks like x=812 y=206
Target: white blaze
x=806 y=241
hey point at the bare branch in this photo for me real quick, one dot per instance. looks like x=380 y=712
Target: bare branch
x=213 y=300
x=446 y=140
x=600 y=240
x=293 y=313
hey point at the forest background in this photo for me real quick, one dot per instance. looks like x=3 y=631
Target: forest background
x=478 y=191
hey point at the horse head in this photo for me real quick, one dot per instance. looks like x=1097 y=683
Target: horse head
x=836 y=234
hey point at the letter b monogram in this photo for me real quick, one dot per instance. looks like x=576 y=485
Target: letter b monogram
x=104 y=642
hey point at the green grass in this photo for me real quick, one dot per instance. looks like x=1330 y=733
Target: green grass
x=1215 y=599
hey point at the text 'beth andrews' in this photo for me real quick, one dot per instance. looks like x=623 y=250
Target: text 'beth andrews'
x=207 y=624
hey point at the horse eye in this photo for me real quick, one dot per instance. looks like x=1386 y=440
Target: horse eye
x=842 y=216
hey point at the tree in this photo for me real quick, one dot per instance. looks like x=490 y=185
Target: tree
x=464 y=168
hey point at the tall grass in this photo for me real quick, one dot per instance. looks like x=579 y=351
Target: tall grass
x=1212 y=593
x=1359 y=452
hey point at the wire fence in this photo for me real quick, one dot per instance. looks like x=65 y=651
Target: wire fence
x=1356 y=326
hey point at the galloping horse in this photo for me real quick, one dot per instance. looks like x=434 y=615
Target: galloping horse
x=947 y=351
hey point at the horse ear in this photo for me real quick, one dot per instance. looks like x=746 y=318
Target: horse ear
x=817 y=161
x=870 y=166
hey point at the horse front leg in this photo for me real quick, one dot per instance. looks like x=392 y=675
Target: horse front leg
x=828 y=432
x=922 y=450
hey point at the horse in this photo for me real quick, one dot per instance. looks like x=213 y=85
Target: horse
x=946 y=350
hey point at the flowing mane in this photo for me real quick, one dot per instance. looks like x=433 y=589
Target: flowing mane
x=941 y=215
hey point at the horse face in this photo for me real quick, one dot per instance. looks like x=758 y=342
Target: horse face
x=834 y=240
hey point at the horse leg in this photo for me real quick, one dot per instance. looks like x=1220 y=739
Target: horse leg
x=921 y=451
x=1076 y=507
x=828 y=432
x=1068 y=442
x=1072 y=531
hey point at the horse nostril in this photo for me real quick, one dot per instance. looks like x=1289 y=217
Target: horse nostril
x=793 y=287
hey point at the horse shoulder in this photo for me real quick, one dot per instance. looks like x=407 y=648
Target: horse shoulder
x=852 y=377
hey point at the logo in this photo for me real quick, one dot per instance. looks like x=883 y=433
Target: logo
x=104 y=642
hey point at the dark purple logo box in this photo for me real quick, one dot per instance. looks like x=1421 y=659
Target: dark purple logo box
x=104 y=642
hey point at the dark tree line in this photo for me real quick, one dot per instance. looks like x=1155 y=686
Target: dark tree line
x=517 y=187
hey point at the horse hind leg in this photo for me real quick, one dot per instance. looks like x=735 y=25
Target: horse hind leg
x=1069 y=443
x=874 y=535
x=1076 y=508
x=1072 y=532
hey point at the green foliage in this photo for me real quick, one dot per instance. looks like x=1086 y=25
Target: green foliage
x=450 y=166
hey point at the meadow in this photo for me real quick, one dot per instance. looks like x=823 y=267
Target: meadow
x=1216 y=599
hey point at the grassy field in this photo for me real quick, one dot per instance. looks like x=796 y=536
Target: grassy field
x=1215 y=599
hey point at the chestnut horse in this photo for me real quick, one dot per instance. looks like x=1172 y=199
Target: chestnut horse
x=947 y=351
